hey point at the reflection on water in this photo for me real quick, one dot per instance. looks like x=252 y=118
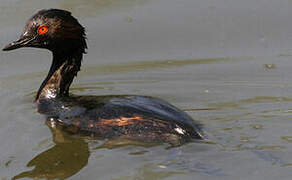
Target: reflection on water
x=67 y=157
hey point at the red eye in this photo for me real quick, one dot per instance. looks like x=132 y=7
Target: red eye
x=43 y=29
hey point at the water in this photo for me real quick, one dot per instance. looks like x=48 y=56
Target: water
x=226 y=63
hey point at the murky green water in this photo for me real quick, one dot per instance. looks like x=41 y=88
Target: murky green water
x=227 y=63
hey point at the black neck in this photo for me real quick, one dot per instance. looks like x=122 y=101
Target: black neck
x=61 y=74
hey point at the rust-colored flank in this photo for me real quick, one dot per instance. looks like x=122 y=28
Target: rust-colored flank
x=122 y=121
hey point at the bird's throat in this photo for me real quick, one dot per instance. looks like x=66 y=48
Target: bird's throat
x=61 y=75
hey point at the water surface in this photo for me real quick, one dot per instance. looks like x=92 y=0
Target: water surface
x=226 y=63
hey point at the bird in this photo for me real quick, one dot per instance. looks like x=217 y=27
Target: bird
x=131 y=117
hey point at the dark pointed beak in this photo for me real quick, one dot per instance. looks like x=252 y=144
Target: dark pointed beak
x=24 y=41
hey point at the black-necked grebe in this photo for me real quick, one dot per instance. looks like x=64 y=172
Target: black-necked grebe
x=132 y=117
